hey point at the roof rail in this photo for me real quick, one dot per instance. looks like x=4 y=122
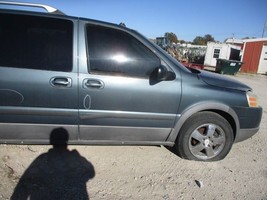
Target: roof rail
x=49 y=9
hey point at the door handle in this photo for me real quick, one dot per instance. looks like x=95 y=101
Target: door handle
x=93 y=83
x=60 y=82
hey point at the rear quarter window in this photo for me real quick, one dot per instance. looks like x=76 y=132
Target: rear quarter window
x=35 y=42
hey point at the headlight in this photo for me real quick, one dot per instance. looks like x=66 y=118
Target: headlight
x=252 y=99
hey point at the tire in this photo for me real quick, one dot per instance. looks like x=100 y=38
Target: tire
x=205 y=136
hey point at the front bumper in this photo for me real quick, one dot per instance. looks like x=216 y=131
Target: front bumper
x=245 y=134
x=249 y=121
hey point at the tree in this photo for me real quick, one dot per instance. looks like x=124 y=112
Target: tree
x=209 y=38
x=199 y=41
x=245 y=38
x=203 y=40
x=171 y=37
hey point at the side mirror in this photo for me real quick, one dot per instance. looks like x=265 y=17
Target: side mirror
x=161 y=73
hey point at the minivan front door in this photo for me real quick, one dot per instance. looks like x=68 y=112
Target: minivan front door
x=118 y=101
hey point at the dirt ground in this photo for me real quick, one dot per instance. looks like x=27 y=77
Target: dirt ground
x=137 y=172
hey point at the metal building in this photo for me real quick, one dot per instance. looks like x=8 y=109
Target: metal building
x=255 y=56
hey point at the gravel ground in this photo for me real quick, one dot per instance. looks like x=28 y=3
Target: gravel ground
x=137 y=172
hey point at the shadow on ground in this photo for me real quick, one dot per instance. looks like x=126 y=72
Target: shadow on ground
x=57 y=174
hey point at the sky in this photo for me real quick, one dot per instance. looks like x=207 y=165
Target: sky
x=187 y=18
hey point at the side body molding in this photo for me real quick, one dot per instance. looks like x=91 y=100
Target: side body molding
x=202 y=106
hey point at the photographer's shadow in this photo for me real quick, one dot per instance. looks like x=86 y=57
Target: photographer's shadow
x=57 y=174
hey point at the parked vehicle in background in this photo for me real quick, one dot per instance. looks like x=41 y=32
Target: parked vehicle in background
x=108 y=84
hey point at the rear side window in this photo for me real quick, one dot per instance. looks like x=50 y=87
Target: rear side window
x=36 y=42
x=115 y=52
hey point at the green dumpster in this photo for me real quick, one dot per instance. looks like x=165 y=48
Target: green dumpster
x=224 y=66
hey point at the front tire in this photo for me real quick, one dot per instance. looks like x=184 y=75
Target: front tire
x=205 y=136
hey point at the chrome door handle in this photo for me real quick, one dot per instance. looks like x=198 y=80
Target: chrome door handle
x=93 y=83
x=60 y=82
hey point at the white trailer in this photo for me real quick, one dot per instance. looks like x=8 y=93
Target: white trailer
x=222 y=51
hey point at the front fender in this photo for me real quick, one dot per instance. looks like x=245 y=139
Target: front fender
x=203 y=106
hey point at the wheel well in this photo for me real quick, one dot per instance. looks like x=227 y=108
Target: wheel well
x=220 y=109
x=226 y=116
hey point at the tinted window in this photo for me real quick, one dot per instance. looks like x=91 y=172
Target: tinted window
x=35 y=42
x=112 y=51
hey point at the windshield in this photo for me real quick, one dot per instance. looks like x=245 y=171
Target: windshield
x=188 y=69
x=172 y=59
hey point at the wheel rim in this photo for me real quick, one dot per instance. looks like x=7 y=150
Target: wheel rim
x=207 y=141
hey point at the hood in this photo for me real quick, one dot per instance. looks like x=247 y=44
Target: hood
x=222 y=81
